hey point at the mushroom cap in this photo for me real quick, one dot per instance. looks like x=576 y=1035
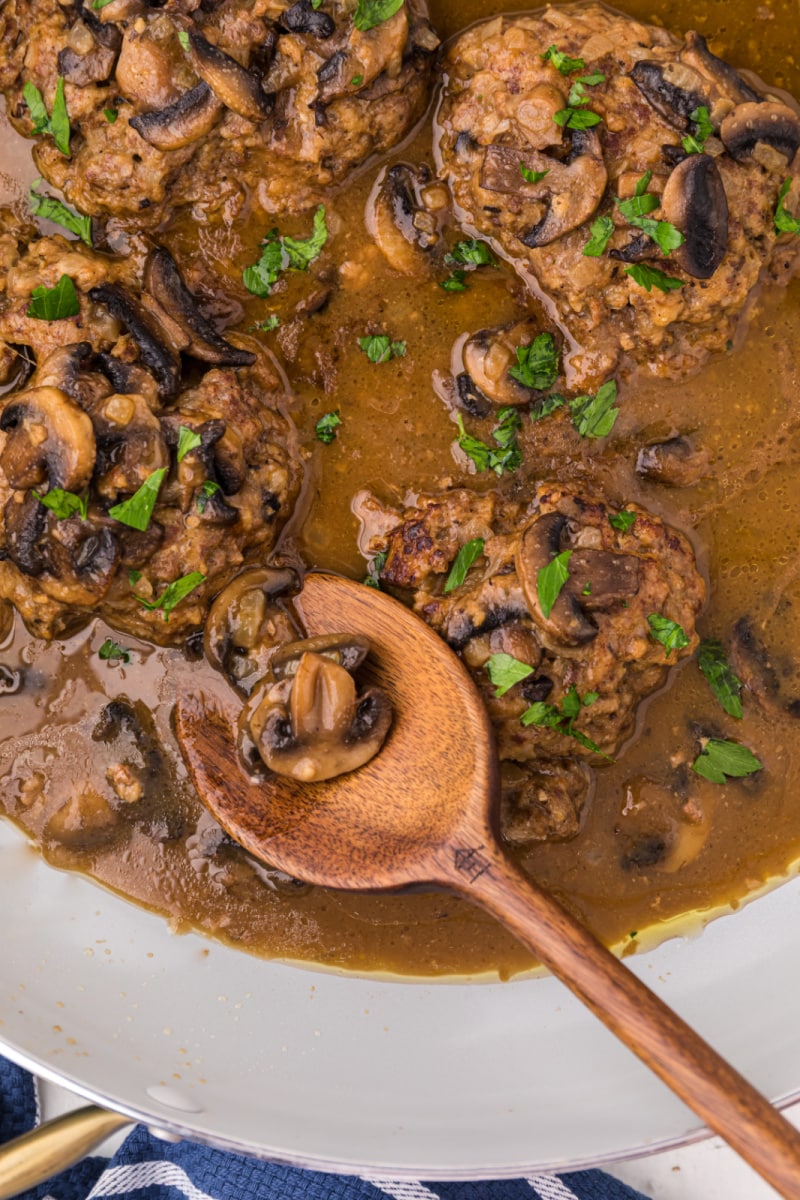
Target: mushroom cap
x=488 y=355
x=775 y=124
x=672 y=102
x=347 y=650
x=96 y=64
x=154 y=350
x=245 y=626
x=398 y=220
x=567 y=624
x=694 y=201
x=237 y=88
x=192 y=116
x=48 y=437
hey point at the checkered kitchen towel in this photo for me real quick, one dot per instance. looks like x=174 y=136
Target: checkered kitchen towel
x=145 y=1168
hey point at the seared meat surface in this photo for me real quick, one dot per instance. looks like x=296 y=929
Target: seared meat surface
x=595 y=648
x=549 y=122
x=107 y=416
x=175 y=103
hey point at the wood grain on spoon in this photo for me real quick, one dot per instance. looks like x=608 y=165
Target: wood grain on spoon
x=425 y=811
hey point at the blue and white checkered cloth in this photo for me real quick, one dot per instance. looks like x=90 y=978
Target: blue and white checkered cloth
x=145 y=1168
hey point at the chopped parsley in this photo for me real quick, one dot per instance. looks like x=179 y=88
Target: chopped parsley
x=504 y=671
x=635 y=211
x=64 y=504
x=601 y=232
x=726 y=686
x=623 y=521
x=668 y=633
x=650 y=277
x=55 y=303
x=486 y=458
x=784 y=221
x=110 y=115
x=720 y=760
x=455 y=281
x=551 y=579
x=326 y=426
x=183 y=38
x=98 y=4
x=370 y=13
x=53 y=210
x=266 y=326
x=188 y=440
x=577 y=114
x=379 y=348
x=641 y=202
x=57 y=124
x=562 y=62
x=471 y=253
x=172 y=595
x=694 y=143
x=209 y=489
x=462 y=563
x=531 y=176
x=111 y=651
x=563 y=719
x=357 y=81
x=594 y=416
x=280 y=254
x=547 y=406
x=537 y=364
x=137 y=510
x=374 y=567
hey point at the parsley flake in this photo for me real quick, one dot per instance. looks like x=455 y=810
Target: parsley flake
x=531 y=176
x=455 y=282
x=137 y=510
x=172 y=595
x=650 y=277
x=562 y=62
x=57 y=124
x=471 y=253
x=370 y=13
x=374 y=567
x=53 y=210
x=726 y=686
x=183 y=38
x=110 y=115
x=379 y=348
x=551 y=579
x=563 y=719
x=720 y=760
x=601 y=232
x=111 y=651
x=784 y=221
x=208 y=489
x=694 y=143
x=537 y=364
x=623 y=521
x=64 y=504
x=55 y=303
x=462 y=563
x=594 y=416
x=547 y=406
x=486 y=458
x=668 y=633
x=280 y=254
x=326 y=426
x=357 y=81
x=504 y=671
x=188 y=440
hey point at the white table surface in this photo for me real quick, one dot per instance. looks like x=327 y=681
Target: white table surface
x=707 y=1170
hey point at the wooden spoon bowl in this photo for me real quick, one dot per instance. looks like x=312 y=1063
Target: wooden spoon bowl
x=424 y=812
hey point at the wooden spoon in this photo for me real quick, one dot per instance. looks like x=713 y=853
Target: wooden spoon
x=425 y=811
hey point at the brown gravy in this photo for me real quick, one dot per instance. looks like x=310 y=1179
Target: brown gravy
x=396 y=436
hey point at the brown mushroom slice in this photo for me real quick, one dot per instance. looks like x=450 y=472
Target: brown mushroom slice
x=345 y=649
x=674 y=462
x=325 y=728
x=246 y=625
x=571 y=190
x=237 y=88
x=163 y=282
x=694 y=201
x=719 y=73
x=305 y=17
x=567 y=624
x=487 y=357
x=25 y=527
x=82 y=561
x=753 y=663
x=49 y=438
x=154 y=350
x=403 y=227
x=671 y=101
x=130 y=444
x=191 y=117
x=71 y=368
x=91 y=52
x=599 y=579
x=774 y=124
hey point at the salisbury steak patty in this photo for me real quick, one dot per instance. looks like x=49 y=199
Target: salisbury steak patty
x=126 y=488
x=581 y=666
x=596 y=151
x=275 y=99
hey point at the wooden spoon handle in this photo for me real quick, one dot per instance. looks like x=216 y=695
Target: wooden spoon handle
x=702 y=1078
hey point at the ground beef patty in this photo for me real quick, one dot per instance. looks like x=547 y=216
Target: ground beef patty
x=135 y=394
x=591 y=658
x=531 y=166
x=261 y=98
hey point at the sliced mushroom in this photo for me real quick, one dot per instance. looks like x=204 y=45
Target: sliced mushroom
x=599 y=579
x=470 y=397
x=347 y=650
x=674 y=463
x=774 y=124
x=82 y=560
x=191 y=117
x=156 y=354
x=152 y=72
x=126 y=378
x=719 y=73
x=640 y=248
x=246 y=624
x=323 y=728
x=488 y=355
x=303 y=17
x=25 y=526
x=130 y=444
x=91 y=52
x=567 y=624
x=694 y=201
x=237 y=88
x=49 y=438
x=163 y=282
x=672 y=102
x=71 y=368
x=571 y=190
x=542 y=802
x=399 y=221
x=752 y=662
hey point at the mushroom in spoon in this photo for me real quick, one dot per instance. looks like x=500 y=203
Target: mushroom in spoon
x=424 y=811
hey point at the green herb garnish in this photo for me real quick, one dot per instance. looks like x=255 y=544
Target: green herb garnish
x=64 y=504
x=374 y=567
x=537 y=364
x=547 y=406
x=623 y=521
x=594 y=416
x=183 y=38
x=280 y=254
x=563 y=719
x=110 y=115
x=53 y=210
x=562 y=62
x=208 y=489
x=463 y=561
x=635 y=211
x=650 y=277
x=577 y=115
x=486 y=458
x=55 y=303
x=326 y=426
x=668 y=633
x=504 y=671
x=172 y=595
x=357 y=81
x=471 y=253
x=726 y=686
x=531 y=176
x=719 y=761
x=57 y=124
x=455 y=282
x=137 y=510
x=302 y=251
x=370 y=13
x=601 y=232
x=551 y=579
x=111 y=651
x=379 y=348
x=695 y=143
x=784 y=221
x=188 y=440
